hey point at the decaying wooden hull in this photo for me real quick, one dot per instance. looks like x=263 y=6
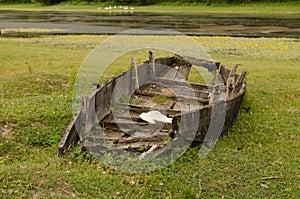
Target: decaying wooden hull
x=109 y=118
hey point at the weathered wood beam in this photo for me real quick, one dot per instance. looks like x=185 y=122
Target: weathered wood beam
x=224 y=72
x=152 y=64
x=155 y=137
x=173 y=97
x=142 y=109
x=210 y=65
x=135 y=75
x=71 y=136
x=146 y=153
x=230 y=85
x=240 y=81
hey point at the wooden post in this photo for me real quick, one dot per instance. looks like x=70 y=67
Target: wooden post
x=231 y=81
x=89 y=115
x=84 y=111
x=143 y=155
x=152 y=64
x=135 y=75
x=224 y=72
x=239 y=81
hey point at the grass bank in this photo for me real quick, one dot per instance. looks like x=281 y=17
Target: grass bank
x=254 y=8
x=259 y=158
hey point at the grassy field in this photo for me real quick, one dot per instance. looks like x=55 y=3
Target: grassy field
x=259 y=158
x=274 y=9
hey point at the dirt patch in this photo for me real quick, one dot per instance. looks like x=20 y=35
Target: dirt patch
x=38 y=124
x=5 y=130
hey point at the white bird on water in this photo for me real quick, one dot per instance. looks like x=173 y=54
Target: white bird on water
x=108 y=8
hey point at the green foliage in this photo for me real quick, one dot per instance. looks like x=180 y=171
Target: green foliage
x=148 y=2
x=160 y=99
x=44 y=2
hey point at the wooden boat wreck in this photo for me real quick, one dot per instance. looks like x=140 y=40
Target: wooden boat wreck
x=159 y=88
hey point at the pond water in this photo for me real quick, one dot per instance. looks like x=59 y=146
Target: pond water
x=116 y=22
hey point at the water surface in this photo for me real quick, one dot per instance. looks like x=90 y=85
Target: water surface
x=115 y=22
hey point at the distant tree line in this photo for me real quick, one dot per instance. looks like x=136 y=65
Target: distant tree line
x=146 y=2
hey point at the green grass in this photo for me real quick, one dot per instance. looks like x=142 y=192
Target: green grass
x=160 y=99
x=259 y=158
x=261 y=9
x=274 y=9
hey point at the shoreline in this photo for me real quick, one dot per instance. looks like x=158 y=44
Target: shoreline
x=287 y=9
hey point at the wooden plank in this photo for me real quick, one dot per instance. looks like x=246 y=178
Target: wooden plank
x=99 y=148
x=217 y=79
x=90 y=112
x=155 y=137
x=210 y=65
x=125 y=116
x=135 y=75
x=142 y=109
x=230 y=85
x=168 y=72
x=218 y=94
x=190 y=89
x=240 y=81
x=176 y=62
x=183 y=87
x=146 y=153
x=165 y=60
x=233 y=70
x=169 y=82
x=137 y=145
x=173 y=97
x=152 y=64
x=184 y=67
x=114 y=135
x=102 y=99
x=201 y=87
x=129 y=125
x=148 y=101
x=71 y=136
x=224 y=72
x=186 y=106
x=133 y=146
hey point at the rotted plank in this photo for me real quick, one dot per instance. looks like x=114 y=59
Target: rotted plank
x=210 y=65
x=173 y=97
x=135 y=75
x=240 y=81
x=155 y=137
x=96 y=148
x=192 y=89
x=152 y=64
x=71 y=136
x=201 y=87
x=224 y=72
x=230 y=85
x=142 y=109
x=147 y=153
x=129 y=126
x=125 y=116
x=139 y=145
